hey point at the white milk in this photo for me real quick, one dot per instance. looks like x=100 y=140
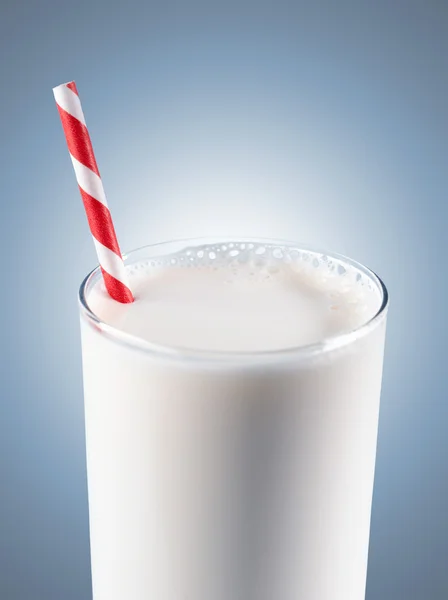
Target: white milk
x=231 y=425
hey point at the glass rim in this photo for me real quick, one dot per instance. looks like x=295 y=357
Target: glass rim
x=326 y=345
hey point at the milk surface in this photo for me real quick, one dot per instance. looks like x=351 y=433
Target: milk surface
x=232 y=476
x=257 y=298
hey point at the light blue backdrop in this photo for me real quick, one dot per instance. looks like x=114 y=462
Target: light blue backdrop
x=325 y=122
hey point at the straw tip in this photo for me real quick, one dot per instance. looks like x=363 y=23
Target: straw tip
x=70 y=85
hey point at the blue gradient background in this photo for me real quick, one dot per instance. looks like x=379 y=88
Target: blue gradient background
x=325 y=122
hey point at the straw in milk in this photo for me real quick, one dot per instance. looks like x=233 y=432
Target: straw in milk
x=92 y=192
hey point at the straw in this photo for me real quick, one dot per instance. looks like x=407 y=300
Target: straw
x=92 y=192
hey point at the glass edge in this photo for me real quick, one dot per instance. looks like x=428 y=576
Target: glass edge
x=300 y=352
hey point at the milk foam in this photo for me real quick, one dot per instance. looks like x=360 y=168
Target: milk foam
x=240 y=297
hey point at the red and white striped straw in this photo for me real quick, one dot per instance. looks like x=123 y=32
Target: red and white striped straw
x=92 y=192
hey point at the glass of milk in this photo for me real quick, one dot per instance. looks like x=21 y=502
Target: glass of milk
x=231 y=418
